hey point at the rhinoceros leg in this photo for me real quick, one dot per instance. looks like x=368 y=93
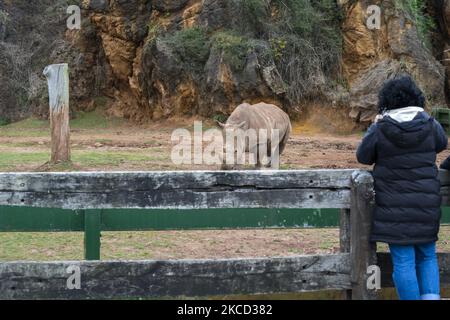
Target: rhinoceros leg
x=276 y=151
x=253 y=151
x=284 y=141
x=272 y=162
x=264 y=156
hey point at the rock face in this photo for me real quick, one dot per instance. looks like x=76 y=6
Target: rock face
x=443 y=7
x=371 y=57
x=150 y=59
x=446 y=17
x=153 y=79
x=121 y=28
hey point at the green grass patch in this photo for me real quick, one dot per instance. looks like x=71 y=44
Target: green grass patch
x=11 y=160
x=58 y=167
x=18 y=133
x=50 y=246
x=94 y=120
x=41 y=246
x=33 y=127
x=30 y=123
x=99 y=158
x=18 y=144
x=30 y=127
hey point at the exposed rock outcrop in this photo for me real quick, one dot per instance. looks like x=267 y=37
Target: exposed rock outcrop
x=153 y=80
x=151 y=75
x=442 y=9
x=373 y=56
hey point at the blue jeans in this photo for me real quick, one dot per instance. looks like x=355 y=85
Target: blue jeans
x=416 y=271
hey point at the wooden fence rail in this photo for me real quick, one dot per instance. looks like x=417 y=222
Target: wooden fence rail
x=351 y=191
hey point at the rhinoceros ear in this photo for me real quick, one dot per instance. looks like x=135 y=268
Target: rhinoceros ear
x=220 y=124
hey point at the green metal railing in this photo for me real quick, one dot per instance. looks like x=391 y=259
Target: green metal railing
x=92 y=222
x=442 y=115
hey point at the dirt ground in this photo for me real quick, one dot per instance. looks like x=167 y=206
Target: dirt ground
x=308 y=148
x=25 y=147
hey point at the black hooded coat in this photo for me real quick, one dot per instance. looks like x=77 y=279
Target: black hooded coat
x=407 y=190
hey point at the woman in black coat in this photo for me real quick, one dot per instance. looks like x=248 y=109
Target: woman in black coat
x=403 y=143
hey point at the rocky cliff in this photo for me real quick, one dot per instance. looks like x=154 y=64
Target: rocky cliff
x=204 y=57
x=371 y=57
x=151 y=59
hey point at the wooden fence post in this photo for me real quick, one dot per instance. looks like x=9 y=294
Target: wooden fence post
x=344 y=241
x=58 y=90
x=362 y=252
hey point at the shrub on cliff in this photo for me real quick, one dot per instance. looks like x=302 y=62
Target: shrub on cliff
x=305 y=38
x=191 y=46
x=234 y=48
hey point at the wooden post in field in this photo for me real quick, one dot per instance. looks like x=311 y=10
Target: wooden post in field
x=58 y=90
x=362 y=252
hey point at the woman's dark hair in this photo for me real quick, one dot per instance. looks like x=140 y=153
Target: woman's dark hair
x=400 y=92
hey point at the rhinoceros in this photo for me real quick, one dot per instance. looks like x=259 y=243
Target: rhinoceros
x=258 y=118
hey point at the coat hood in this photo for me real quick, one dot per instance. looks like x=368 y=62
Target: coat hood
x=404 y=114
x=405 y=134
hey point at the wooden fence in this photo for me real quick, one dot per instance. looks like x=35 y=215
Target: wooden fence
x=92 y=202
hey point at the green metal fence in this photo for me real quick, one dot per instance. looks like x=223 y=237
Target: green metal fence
x=92 y=222
x=442 y=115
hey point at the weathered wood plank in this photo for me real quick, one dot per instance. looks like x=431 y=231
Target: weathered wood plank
x=445 y=193
x=362 y=252
x=182 y=199
x=344 y=241
x=134 y=279
x=178 y=190
x=444 y=177
x=385 y=264
x=85 y=182
x=182 y=189
x=344 y=230
x=169 y=180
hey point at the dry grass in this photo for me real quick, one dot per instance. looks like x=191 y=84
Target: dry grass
x=181 y=244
